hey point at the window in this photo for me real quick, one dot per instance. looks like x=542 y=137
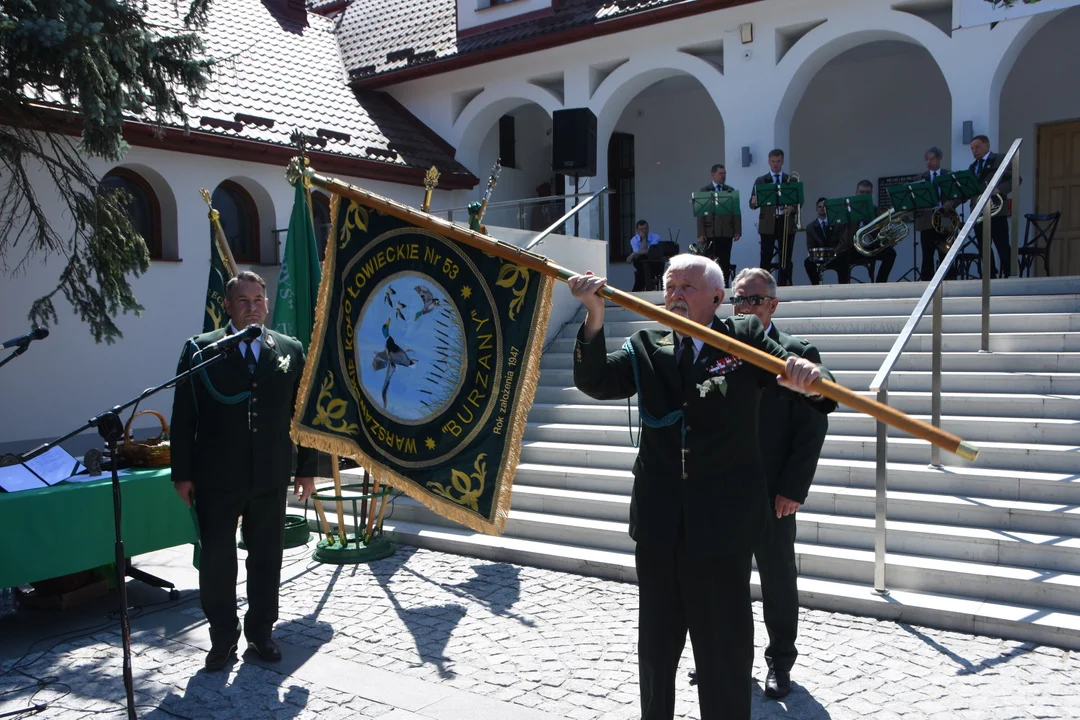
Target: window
x=239 y=221
x=320 y=213
x=506 y=142
x=143 y=210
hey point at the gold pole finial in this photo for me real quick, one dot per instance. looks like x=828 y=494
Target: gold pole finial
x=431 y=179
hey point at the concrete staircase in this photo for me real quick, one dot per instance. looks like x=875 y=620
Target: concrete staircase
x=990 y=547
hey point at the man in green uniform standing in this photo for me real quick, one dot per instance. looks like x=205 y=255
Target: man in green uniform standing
x=699 y=502
x=232 y=458
x=791 y=434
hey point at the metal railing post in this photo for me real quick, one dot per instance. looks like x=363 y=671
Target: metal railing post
x=987 y=264
x=521 y=216
x=935 y=372
x=1014 y=261
x=880 y=496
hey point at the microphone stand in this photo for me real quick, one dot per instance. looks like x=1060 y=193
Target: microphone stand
x=22 y=347
x=111 y=429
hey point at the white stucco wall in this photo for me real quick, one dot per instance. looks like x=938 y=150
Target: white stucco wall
x=910 y=82
x=67 y=378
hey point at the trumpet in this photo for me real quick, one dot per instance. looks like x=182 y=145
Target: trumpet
x=792 y=177
x=884 y=231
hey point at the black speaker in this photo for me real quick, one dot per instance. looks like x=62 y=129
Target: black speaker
x=573 y=142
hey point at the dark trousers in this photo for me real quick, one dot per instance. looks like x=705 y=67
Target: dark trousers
x=770 y=245
x=775 y=556
x=263 y=510
x=999 y=235
x=841 y=263
x=646 y=273
x=885 y=259
x=931 y=242
x=711 y=599
x=719 y=249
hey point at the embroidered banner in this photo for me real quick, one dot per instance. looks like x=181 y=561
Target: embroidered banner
x=423 y=363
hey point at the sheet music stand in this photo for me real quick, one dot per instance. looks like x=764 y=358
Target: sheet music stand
x=913 y=198
x=776 y=194
x=853 y=209
x=958 y=186
x=725 y=209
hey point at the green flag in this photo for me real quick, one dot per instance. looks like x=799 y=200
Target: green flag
x=298 y=284
x=222 y=269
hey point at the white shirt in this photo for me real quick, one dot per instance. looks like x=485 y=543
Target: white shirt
x=635 y=242
x=256 y=344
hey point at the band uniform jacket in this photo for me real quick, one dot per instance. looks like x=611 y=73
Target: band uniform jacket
x=769 y=223
x=792 y=429
x=816 y=237
x=993 y=161
x=211 y=441
x=708 y=226
x=924 y=220
x=721 y=501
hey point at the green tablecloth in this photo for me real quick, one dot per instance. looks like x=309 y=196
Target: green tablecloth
x=69 y=527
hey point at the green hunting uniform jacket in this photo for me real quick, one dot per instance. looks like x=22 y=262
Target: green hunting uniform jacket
x=792 y=430
x=720 y=498
x=230 y=426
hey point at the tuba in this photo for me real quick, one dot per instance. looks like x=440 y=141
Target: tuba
x=884 y=231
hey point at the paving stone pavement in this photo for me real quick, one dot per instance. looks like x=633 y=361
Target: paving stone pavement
x=559 y=644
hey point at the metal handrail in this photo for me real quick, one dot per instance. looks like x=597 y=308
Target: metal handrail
x=530 y=201
x=880 y=383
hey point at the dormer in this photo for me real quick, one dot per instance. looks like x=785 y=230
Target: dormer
x=477 y=16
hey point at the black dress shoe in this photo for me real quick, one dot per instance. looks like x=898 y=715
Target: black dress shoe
x=220 y=655
x=777 y=684
x=266 y=649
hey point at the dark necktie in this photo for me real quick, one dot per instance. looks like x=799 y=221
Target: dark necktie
x=686 y=356
x=249 y=357
x=776 y=178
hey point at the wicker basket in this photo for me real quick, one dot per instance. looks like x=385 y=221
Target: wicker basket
x=151 y=452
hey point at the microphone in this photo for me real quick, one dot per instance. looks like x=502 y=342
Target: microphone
x=38 y=333
x=228 y=343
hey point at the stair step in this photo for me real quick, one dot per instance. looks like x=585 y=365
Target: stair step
x=939 y=508
x=843 y=422
x=1022 y=362
x=922 y=381
x=878 y=307
x=1051 y=342
x=891 y=324
x=600 y=446
x=1022 y=405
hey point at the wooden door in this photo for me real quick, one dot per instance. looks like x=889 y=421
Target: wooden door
x=1058 y=188
x=621 y=207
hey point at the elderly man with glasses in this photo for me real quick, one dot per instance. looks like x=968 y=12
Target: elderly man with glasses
x=699 y=503
x=791 y=434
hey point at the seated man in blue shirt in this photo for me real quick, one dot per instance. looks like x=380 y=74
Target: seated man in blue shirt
x=645 y=270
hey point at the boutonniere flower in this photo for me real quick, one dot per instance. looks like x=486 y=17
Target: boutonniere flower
x=283 y=363
x=718 y=382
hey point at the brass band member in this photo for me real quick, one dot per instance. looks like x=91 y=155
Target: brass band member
x=931 y=240
x=819 y=234
x=985 y=165
x=886 y=257
x=771 y=220
x=711 y=238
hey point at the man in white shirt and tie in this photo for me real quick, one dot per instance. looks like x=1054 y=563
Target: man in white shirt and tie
x=771 y=220
x=930 y=240
x=645 y=270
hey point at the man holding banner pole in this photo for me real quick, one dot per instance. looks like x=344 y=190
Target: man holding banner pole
x=699 y=502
